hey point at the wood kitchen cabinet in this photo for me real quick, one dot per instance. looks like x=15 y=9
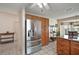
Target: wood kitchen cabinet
x=74 y=48
x=45 y=31
x=67 y=47
x=62 y=46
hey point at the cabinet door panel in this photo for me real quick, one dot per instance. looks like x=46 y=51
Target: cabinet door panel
x=74 y=51
x=74 y=48
x=45 y=32
x=59 y=49
x=63 y=46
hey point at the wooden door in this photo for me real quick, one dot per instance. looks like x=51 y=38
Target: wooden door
x=45 y=31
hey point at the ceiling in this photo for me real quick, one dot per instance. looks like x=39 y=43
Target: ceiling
x=56 y=10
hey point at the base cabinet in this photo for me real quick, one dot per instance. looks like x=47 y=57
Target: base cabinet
x=62 y=47
x=67 y=47
x=75 y=48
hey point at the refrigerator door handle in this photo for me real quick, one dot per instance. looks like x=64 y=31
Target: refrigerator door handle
x=28 y=33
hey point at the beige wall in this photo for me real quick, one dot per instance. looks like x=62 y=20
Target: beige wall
x=11 y=22
x=7 y=22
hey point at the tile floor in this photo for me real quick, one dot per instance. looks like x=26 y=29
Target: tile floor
x=50 y=49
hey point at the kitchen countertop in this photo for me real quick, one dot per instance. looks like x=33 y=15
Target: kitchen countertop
x=77 y=40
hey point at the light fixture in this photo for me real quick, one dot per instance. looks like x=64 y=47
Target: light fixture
x=45 y=4
x=40 y=5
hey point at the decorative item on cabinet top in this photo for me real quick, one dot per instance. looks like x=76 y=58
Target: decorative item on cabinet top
x=6 y=37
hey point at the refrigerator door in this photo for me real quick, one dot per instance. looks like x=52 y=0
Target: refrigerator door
x=33 y=37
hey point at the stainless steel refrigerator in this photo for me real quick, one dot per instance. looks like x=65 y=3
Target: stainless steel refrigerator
x=33 y=36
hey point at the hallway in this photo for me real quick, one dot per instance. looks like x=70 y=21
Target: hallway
x=50 y=49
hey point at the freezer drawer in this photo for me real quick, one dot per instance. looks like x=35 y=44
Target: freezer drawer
x=33 y=43
x=33 y=49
